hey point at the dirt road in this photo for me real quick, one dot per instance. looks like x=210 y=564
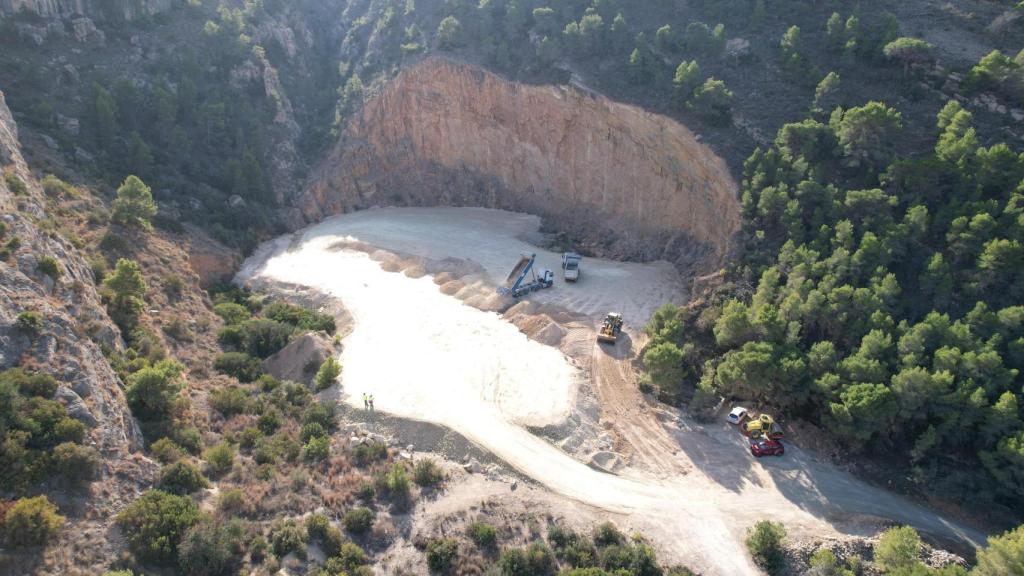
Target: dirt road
x=426 y=355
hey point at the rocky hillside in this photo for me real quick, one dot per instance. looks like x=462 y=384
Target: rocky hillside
x=67 y=342
x=446 y=133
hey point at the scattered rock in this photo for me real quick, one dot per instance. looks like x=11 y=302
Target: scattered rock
x=69 y=125
x=605 y=461
x=83 y=156
x=75 y=406
x=50 y=142
x=84 y=30
x=236 y=201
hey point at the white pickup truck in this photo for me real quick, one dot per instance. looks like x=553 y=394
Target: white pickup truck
x=571 y=266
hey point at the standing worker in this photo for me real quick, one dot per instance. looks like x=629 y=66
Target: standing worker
x=371 y=402
x=366 y=402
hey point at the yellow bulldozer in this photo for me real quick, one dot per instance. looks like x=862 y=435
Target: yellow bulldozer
x=763 y=425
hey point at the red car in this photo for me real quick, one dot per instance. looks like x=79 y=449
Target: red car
x=766 y=447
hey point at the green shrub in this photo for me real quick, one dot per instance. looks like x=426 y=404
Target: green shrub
x=483 y=535
x=897 y=548
x=321 y=413
x=189 y=439
x=127 y=290
x=153 y=391
x=427 y=473
x=369 y=452
x=398 y=485
x=358 y=520
x=239 y=365
x=288 y=537
x=98 y=267
x=179 y=329
x=258 y=337
x=182 y=478
x=48 y=265
x=40 y=384
x=327 y=374
x=155 y=524
x=824 y=562
x=319 y=528
x=134 y=206
x=1003 y=555
x=571 y=547
x=607 y=534
x=174 y=286
x=442 y=554
x=248 y=438
x=32 y=521
x=15 y=184
x=55 y=187
x=213 y=548
x=166 y=451
x=229 y=401
x=77 y=465
x=232 y=313
x=764 y=541
x=29 y=322
x=366 y=492
x=349 y=560
x=231 y=501
x=299 y=317
x=317 y=449
x=312 y=430
x=220 y=458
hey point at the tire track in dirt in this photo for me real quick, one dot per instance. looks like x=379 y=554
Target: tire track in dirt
x=642 y=438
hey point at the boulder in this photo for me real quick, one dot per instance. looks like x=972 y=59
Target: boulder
x=301 y=358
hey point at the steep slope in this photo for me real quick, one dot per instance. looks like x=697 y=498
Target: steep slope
x=627 y=182
x=68 y=345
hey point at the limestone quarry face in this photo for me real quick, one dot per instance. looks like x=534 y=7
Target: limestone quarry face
x=625 y=182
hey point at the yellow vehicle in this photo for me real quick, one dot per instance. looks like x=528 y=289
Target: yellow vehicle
x=610 y=328
x=763 y=425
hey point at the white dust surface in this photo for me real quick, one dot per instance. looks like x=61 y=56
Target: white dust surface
x=494 y=239
x=427 y=356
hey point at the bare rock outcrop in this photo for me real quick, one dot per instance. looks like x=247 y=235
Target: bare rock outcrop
x=301 y=358
x=627 y=182
x=95 y=9
x=67 y=343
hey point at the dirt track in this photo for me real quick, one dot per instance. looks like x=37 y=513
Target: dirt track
x=693 y=489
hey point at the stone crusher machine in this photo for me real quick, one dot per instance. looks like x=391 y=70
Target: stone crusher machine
x=610 y=328
x=524 y=279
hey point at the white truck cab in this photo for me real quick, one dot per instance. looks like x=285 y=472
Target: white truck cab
x=571 y=266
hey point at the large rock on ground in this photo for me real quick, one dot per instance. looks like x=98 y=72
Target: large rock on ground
x=301 y=358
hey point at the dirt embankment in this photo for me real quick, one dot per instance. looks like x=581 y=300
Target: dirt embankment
x=624 y=182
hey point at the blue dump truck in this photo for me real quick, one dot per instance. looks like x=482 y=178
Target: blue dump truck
x=524 y=278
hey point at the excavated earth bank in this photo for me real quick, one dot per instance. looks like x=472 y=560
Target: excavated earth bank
x=622 y=182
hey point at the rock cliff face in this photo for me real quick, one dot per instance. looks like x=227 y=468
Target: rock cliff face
x=95 y=9
x=623 y=181
x=67 y=345
x=74 y=321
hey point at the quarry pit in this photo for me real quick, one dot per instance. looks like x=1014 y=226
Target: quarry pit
x=419 y=212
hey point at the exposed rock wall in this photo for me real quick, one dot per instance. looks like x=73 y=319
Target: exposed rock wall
x=95 y=9
x=74 y=321
x=628 y=183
